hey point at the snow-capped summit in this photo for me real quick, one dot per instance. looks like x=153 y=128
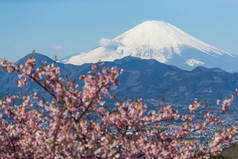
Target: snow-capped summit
x=155 y=40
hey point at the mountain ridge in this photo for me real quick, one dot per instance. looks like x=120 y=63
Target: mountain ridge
x=148 y=79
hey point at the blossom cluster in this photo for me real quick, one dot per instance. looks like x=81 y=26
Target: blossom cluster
x=77 y=123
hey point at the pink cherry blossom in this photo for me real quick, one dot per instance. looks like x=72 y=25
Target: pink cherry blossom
x=77 y=123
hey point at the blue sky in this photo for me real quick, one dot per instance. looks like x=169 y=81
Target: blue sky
x=68 y=27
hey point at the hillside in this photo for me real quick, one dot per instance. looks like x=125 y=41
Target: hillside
x=149 y=79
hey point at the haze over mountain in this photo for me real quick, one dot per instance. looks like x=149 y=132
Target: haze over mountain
x=160 y=41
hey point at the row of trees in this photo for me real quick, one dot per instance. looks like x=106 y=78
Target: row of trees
x=75 y=122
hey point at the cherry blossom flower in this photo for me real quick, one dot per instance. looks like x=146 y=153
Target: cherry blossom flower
x=75 y=122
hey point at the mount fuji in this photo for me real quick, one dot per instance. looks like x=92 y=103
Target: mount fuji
x=160 y=41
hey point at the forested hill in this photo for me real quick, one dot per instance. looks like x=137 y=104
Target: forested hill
x=147 y=79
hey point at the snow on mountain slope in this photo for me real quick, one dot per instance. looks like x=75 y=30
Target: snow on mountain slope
x=154 y=40
x=193 y=62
